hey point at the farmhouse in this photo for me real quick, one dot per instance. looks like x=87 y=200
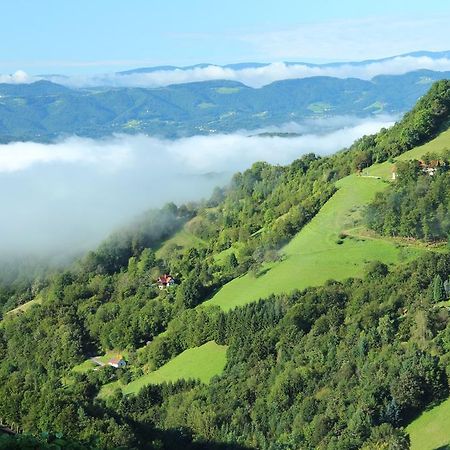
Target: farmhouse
x=117 y=362
x=165 y=281
x=431 y=167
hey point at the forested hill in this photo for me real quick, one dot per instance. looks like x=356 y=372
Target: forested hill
x=328 y=364
x=43 y=111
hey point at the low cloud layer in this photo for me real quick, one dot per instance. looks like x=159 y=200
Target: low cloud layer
x=254 y=77
x=67 y=196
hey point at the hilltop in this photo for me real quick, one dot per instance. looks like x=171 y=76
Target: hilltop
x=294 y=320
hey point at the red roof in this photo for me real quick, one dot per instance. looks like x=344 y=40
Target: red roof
x=114 y=360
x=165 y=279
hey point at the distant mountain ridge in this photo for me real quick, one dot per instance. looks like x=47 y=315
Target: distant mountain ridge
x=43 y=111
x=254 y=65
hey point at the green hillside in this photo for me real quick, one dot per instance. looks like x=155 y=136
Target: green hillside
x=315 y=256
x=181 y=240
x=332 y=365
x=437 y=145
x=197 y=363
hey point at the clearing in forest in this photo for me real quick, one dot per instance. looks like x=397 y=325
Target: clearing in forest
x=199 y=363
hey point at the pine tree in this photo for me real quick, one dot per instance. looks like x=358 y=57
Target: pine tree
x=438 y=289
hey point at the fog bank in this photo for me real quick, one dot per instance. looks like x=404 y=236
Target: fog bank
x=67 y=196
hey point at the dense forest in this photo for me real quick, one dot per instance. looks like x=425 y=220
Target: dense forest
x=343 y=366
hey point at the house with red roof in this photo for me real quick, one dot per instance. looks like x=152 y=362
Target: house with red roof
x=165 y=281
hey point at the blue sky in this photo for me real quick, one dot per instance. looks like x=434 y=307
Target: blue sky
x=87 y=36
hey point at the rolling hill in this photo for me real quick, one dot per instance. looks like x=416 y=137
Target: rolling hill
x=43 y=111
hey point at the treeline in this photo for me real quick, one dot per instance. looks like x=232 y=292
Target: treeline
x=415 y=206
x=429 y=117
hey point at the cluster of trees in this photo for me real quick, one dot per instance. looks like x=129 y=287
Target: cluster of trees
x=45 y=441
x=416 y=206
x=341 y=366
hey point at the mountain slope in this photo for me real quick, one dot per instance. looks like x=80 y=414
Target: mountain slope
x=340 y=365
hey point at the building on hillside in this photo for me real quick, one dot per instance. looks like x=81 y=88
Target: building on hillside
x=431 y=167
x=117 y=363
x=165 y=281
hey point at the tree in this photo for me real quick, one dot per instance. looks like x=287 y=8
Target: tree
x=232 y=262
x=377 y=269
x=447 y=288
x=439 y=294
x=190 y=293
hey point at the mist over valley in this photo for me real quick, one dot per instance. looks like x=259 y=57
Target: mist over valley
x=65 y=197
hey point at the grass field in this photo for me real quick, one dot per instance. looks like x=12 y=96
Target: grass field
x=314 y=256
x=88 y=365
x=228 y=90
x=84 y=367
x=431 y=430
x=200 y=363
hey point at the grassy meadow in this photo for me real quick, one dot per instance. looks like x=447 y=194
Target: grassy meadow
x=437 y=145
x=199 y=363
x=431 y=430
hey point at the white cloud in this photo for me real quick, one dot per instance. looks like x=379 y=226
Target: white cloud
x=110 y=154
x=16 y=78
x=196 y=154
x=352 y=39
x=254 y=77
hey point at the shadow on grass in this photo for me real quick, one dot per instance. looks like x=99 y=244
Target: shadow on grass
x=444 y=447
